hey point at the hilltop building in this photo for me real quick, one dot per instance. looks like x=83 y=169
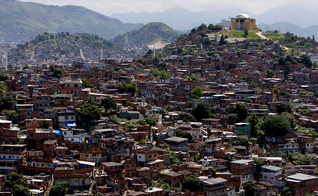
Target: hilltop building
x=243 y=21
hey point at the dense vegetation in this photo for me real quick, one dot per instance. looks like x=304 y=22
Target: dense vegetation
x=22 y=24
x=54 y=46
x=149 y=33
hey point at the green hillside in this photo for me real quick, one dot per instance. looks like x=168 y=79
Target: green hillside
x=155 y=31
x=22 y=21
x=55 y=46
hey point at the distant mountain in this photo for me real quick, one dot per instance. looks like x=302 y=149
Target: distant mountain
x=182 y=19
x=23 y=21
x=296 y=14
x=154 y=31
x=284 y=27
x=179 y=18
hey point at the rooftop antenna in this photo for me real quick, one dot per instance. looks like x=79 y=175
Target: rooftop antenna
x=101 y=54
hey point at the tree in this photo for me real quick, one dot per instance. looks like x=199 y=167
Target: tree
x=193 y=78
x=253 y=120
x=196 y=92
x=245 y=32
x=259 y=163
x=286 y=191
x=206 y=41
x=89 y=112
x=201 y=111
x=242 y=141
x=19 y=190
x=173 y=157
x=232 y=65
x=148 y=121
x=3 y=88
x=232 y=119
x=57 y=72
x=186 y=117
x=124 y=87
x=191 y=183
x=184 y=134
x=3 y=76
x=248 y=100
x=12 y=115
x=87 y=84
x=46 y=125
x=275 y=125
x=222 y=41
x=290 y=119
x=249 y=188
x=270 y=73
x=239 y=109
x=202 y=27
x=14 y=178
x=305 y=59
x=162 y=73
x=301 y=159
x=60 y=189
x=283 y=107
x=109 y=105
x=6 y=103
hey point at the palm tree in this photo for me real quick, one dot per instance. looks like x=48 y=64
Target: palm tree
x=253 y=119
x=3 y=88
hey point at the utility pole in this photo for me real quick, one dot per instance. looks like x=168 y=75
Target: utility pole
x=7 y=46
x=101 y=54
x=223 y=20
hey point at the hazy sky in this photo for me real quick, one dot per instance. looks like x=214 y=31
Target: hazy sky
x=108 y=7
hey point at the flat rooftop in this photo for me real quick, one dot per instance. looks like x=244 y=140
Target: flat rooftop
x=301 y=177
x=176 y=139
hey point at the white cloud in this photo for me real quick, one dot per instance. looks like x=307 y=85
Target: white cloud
x=108 y=7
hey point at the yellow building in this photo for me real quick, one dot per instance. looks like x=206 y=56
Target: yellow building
x=243 y=21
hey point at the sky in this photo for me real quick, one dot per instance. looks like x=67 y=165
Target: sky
x=108 y=7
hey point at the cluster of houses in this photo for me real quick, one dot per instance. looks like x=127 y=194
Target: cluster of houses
x=47 y=145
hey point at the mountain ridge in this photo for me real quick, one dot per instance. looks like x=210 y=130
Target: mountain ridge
x=23 y=21
x=303 y=16
x=146 y=35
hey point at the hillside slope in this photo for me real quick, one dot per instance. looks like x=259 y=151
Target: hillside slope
x=154 y=31
x=49 y=46
x=22 y=21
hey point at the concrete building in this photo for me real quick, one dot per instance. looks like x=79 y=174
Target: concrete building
x=243 y=168
x=273 y=175
x=243 y=21
x=242 y=129
x=300 y=184
x=215 y=186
